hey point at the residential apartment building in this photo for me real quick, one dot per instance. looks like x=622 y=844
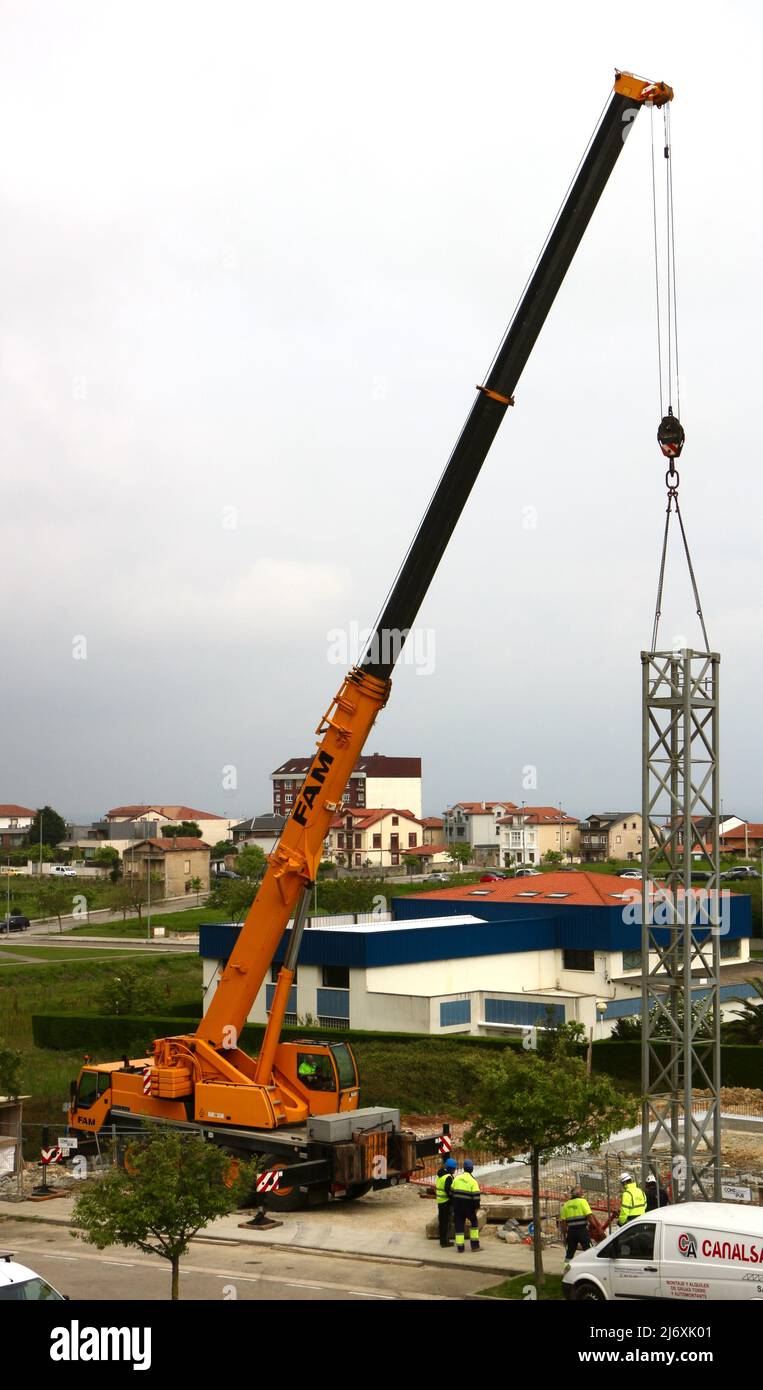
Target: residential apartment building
x=529 y=833
x=611 y=835
x=15 y=824
x=477 y=824
x=375 y=839
x=375 y=781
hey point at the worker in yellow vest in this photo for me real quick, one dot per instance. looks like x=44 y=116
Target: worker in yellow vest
x=574 y=1216
x=442 y=1186
x=465 y=1196
x=632 y=1201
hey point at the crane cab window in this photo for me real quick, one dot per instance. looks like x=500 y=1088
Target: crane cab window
x=343 y=1060
x=314 y=1069
x=92 y=1085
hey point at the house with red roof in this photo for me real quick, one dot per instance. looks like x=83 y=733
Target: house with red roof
x=379 y=838
x=530 y=832
x=15 y=824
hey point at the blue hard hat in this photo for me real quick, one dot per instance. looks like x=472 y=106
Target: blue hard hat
x=468 y=1165
x=451 y=1165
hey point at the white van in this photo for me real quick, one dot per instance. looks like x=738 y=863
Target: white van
x=63 y=871
x=694 y=1250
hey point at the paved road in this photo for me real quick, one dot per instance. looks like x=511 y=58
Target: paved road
x=215 y=1271
x=49 y=926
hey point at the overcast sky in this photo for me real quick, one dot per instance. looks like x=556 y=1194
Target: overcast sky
x=253 y=260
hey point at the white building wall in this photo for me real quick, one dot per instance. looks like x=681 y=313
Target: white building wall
x=403 y=793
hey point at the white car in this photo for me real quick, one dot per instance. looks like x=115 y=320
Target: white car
x=527 y=873
x=21 y=1285
x=63 y=871
x=693 y=1250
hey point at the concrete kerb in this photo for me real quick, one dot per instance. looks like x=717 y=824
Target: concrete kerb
x=367 y=1245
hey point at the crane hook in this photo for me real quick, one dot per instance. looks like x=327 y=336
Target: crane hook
x=670 y=435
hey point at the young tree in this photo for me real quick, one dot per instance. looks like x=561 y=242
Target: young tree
x=54 y=898
x=196 y=888
x=53 y=827
x=107 y=857
x=176 y=1184
x=129 y=992
x=460 y=853
x=132 y=894
x=222 y=848
x=251 y=863
x=187 y=828
x=544 y=1105
x=413 y=863
x=552 y=856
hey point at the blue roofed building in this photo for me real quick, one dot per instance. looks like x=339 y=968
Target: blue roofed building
x=487 y=959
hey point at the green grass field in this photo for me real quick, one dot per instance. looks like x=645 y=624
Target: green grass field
x=51 y=954
x=73 y=984
x=187 y=919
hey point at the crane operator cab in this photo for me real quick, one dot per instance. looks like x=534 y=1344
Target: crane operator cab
x=325 y=1075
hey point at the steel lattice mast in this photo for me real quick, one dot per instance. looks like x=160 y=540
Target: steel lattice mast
x=681 y=926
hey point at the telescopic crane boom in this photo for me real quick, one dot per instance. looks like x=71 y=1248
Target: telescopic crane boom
x=206 y=1076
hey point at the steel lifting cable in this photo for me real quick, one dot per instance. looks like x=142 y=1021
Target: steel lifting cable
x=670 y=435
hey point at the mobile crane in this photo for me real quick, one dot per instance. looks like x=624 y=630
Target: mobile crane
x=274 y=1105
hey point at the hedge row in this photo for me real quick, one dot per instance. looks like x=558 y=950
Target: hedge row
x=105 y=1033
x=741 y=1064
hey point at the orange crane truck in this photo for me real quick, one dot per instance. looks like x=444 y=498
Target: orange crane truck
x=316 y=1134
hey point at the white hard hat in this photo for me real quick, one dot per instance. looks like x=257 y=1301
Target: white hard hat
x=626 y=1177
x=651 y=1178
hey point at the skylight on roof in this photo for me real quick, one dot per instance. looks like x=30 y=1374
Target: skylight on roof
x=529 y=893
x=557 y=895
x=480 y=892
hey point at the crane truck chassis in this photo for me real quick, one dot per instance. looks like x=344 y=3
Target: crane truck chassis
x=205 y=1081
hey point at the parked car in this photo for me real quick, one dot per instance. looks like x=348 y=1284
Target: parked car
x=18 y=1284
x=492 y=878
x=63 y=871
x=693 y=1250
x=741 y=871
x=16 y=921
x=527 y=873
x=225 y=873
x=437 y=878
x=629 y=873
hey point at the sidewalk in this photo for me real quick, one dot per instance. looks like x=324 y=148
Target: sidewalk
x=318 y=1234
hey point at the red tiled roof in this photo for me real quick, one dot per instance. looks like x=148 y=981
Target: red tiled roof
x=581 y=889
x=11 y=810
x=541 y=815
x=481 y=808
x=754 y=832
x=433 y=822
x=369 y=816
x=172 y=812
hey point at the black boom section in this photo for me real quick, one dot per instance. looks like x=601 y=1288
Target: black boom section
x=487 y=413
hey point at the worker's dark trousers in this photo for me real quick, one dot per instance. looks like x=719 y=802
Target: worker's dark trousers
x=444 y=1212
x=462 y=1213
x=577 y=1237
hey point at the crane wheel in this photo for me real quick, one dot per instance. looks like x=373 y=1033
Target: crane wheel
x=285 y=1198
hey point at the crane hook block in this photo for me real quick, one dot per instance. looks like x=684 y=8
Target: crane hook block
x=670 y=435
